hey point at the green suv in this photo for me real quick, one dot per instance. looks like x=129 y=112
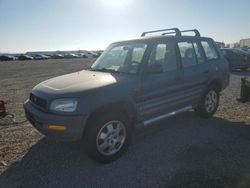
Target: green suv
x=133 y=82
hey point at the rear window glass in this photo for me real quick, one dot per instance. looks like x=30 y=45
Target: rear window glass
x=209 y=50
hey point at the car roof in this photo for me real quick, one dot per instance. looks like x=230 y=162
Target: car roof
x=166 y=34
x=162 y=37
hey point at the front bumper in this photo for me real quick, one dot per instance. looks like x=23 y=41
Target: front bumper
x=74 y=124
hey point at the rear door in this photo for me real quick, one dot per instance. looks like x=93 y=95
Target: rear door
x=218 y=67
x=194 y=70
x=159 y=90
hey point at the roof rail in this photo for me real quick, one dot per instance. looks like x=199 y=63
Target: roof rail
x=197 y=33
x=175 y=30
x=167 y=33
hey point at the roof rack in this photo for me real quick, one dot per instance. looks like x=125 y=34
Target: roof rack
x=167 y=33
x=197 y=33
x=175 y=30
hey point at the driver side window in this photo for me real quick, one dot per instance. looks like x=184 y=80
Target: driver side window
x=164 y=54
x=115 y=57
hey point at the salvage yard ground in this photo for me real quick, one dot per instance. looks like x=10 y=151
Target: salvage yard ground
x=183 y=151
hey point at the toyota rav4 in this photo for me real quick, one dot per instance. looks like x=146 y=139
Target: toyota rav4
x=134 y=82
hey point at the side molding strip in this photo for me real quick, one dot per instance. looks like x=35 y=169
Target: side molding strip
x=158 y=118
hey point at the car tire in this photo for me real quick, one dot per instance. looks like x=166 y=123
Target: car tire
x=209 y=102
x=107 y=136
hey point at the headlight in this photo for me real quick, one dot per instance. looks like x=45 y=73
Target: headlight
x=64 y=105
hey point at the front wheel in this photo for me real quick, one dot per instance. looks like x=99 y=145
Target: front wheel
x=107 y=137
x=209 y=103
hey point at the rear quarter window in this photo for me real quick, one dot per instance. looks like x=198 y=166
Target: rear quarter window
x=209 y=49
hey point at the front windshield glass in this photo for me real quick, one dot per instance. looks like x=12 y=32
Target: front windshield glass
x=121 y=58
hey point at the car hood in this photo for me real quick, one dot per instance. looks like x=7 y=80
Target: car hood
x=79 y=82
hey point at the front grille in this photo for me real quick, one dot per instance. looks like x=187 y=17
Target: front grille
x=38 y=101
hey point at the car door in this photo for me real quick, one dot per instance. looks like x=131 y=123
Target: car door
x=158 y=95
x=218 y=68
x=194 y=70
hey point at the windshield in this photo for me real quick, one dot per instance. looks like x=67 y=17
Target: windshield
x=121 y=58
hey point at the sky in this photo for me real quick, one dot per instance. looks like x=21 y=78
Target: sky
x=37 y=25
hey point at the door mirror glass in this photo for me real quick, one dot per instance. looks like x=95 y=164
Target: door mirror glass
x=155 y=69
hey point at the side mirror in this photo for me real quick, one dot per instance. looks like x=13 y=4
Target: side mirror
x=154 y=69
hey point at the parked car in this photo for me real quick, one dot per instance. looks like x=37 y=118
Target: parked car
x=96 y=55
x=25 y=57
x=7 y=58
x=245 y=48
x=40 y=57
x=71 y=55
x=99 y=53
x=92 y=54
x=57 y=56
x=83 y=55
x=237 y=58
x=134 y=82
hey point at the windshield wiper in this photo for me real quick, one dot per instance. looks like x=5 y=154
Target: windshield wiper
x=105 y=70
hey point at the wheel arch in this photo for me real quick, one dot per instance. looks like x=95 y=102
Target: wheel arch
x=122 y=106
x=216 y=83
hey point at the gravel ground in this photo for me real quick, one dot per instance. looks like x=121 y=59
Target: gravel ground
x=183 y=151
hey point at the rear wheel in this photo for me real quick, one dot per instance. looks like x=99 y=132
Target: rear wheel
x=209 y=102
x=107 y=136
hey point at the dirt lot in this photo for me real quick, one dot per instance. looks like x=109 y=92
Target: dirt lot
x=183 y=151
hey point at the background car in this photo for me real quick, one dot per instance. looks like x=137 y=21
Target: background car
x=7 y=58
x=237 y=58
x=40 y=56
x=71 y=55
x=57 y=56
x=25 y=57
x=83 y=55
x=92 y=54
x=245 y=48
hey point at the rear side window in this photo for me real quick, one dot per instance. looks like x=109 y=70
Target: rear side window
x=160 y=52
x=187 y=52
x=137 y=54
x=164 y=54
x=209 y=50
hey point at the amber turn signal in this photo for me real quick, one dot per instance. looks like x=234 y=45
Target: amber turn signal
x=57 y=127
